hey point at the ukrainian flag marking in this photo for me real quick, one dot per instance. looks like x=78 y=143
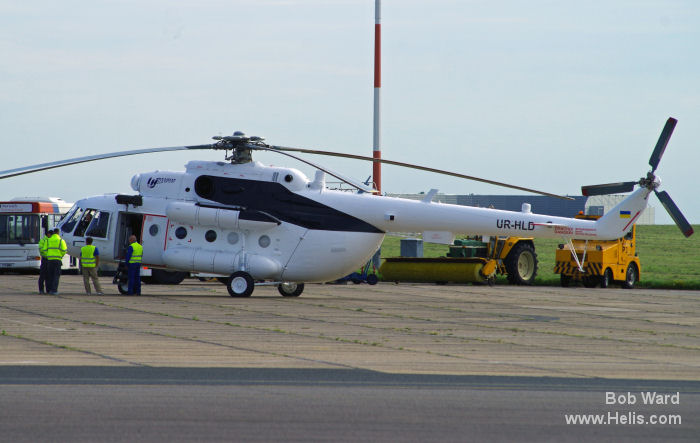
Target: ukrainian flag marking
x=625 y=214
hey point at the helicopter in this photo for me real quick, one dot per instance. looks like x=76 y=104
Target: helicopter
x=265 y=225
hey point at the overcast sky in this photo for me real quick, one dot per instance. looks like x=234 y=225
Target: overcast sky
x=549 y=95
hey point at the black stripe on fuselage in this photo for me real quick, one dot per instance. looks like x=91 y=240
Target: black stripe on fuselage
x=276 y=200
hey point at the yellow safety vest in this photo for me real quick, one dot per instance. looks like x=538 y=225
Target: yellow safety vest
x=43 y=246
x=136 y=253
x=55 y=248
x=87 y=256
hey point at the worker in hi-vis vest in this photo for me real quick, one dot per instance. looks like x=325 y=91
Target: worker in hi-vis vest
x=133 y=261
x=43 y=268
x=54 y=249
x=89 y=261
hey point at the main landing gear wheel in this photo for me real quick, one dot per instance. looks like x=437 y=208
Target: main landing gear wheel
x=289 y=289
x=630 y=276
x=240 y=284
x=521 y=264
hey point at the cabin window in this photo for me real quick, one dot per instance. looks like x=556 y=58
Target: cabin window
x=181 y=233
x=210 y=236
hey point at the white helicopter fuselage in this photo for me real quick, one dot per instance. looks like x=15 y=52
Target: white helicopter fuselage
x=276 y=224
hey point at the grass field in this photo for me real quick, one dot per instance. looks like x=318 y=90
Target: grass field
x=669 y=260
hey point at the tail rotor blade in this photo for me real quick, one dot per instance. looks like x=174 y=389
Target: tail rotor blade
x=675 y=213
x=661 y=144
x=608 y=188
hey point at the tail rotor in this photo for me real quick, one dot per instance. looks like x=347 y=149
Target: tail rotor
x=650 y=182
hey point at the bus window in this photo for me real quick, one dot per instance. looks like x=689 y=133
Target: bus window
x=4 y=225
x=19 y=229
x=98 y=226
x=72 y=219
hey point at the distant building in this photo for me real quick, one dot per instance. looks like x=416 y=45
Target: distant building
x=600 y=204
x=540 y=204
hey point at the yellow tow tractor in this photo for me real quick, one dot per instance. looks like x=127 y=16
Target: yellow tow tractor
x=469 y=261
x=599 y=262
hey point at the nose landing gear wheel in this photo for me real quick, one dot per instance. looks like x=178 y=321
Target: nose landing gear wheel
x=240 y=284
x=289 y=289
x=123 y=288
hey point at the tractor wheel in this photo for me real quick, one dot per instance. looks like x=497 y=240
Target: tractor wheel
x=630 y=276
x=372 y=279
x=289 y=289
x=606 y=279
x=590 y=281
x=521 y=264
x=565 y=280
x=240 y=284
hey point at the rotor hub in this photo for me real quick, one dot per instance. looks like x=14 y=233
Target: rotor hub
x=240 y=146
x=651 y=181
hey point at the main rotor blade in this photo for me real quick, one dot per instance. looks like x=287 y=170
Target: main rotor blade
x=422 y=168
x=351 y=182
x=608 y=188
x=89 y=158
x=675 y=213
x=661 y=144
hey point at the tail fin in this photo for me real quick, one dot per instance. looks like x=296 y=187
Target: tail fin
x=619 y=220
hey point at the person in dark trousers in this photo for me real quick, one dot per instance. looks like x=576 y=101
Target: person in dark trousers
x=133 y=259
x=55 y=249
x=43 y=268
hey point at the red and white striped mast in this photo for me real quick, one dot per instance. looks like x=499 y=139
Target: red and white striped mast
x=377 y=152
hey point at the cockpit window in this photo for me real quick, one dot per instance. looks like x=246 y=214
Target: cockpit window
x=72 y=219
x=84 y=222
x=99 y=224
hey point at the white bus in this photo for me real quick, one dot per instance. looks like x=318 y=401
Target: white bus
x=23 y=222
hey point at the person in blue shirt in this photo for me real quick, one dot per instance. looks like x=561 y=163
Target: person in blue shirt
x=133 y=261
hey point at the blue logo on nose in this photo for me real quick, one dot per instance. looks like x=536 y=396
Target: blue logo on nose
x=154 y=181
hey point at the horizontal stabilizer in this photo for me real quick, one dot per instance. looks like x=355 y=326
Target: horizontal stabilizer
x=608 y=188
